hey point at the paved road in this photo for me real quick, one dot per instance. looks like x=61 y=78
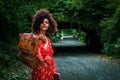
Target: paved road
x=83 y=66
x=76 y=65
x=67 y=42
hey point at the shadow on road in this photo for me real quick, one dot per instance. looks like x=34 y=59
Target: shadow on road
x=74 y=49
x=77 y=64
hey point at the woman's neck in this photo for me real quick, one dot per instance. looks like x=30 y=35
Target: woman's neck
x=42 y=32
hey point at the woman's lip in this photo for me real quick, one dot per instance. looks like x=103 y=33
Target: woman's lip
x=43 y=26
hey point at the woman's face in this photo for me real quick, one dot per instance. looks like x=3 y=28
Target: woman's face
x=44 y=25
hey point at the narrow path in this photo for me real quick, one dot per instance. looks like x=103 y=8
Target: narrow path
x=83 y=66
x=68 y=41
x=73 y=64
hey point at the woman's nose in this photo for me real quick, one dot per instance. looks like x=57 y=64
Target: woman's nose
x=44 y=23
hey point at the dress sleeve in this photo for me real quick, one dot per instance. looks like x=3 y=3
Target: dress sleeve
x=38 y=54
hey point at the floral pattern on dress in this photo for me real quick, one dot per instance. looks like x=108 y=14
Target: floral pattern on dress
x=43 y=71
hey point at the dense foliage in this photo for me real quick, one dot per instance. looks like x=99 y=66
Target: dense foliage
x=103 y=16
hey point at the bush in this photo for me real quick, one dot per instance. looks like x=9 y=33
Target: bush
x=112 y=50
x=81 y=37
x=55 y=37
x=67 y=32
x=8 y=54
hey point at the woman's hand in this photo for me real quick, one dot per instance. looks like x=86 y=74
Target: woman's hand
x=44 y=39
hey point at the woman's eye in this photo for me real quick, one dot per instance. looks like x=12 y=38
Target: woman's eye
x=47 y=22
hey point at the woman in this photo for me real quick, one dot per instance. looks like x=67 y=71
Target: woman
x=43 y=24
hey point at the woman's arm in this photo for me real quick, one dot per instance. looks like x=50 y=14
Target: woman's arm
x=39 y=56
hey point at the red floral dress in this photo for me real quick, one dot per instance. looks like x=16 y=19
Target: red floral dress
x=43 y=72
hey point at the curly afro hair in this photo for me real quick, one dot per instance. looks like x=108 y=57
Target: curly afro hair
x=38 y=18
